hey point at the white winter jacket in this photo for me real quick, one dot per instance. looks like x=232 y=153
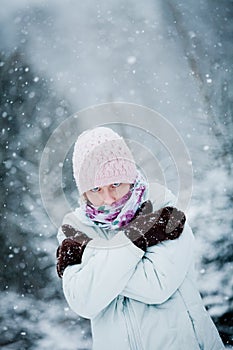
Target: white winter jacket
x=137 y=300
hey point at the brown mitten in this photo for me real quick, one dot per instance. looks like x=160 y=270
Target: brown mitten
x=145 y=208
x=150 y=229
x=71 y=250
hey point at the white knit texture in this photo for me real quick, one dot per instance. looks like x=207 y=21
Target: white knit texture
x=101 y=157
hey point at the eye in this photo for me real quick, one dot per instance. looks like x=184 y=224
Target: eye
x=95 y=189
x=115 y=185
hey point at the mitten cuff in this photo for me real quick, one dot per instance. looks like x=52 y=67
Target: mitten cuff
x=141 y=243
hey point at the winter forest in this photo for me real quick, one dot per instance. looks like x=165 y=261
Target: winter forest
x=59 y=57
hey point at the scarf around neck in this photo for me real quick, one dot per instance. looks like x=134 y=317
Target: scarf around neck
x=121 y=212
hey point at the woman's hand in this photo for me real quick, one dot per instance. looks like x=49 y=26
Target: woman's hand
x=146 y=230
x=71 y=250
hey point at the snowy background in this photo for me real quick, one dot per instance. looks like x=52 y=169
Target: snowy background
x=57 y=57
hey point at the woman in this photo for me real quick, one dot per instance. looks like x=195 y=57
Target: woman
x=126 y=256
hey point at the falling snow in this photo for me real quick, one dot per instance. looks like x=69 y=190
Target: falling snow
x=57 y=58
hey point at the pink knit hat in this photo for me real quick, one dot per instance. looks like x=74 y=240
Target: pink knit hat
x=101 y=157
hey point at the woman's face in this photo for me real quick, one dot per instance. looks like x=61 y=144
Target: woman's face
x=107 y=195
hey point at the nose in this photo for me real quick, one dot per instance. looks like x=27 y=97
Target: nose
x=107 y=196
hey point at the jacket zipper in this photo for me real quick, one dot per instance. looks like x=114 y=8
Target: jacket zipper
x=134 y=337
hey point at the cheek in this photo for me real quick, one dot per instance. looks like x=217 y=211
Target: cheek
x=123 y=190
x=93 y=198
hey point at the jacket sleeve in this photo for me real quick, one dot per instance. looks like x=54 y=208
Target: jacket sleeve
x=104 y=272
x=162 y=270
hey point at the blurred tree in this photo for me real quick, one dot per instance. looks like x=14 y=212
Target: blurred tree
x=29 y=111
x=208 y=50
